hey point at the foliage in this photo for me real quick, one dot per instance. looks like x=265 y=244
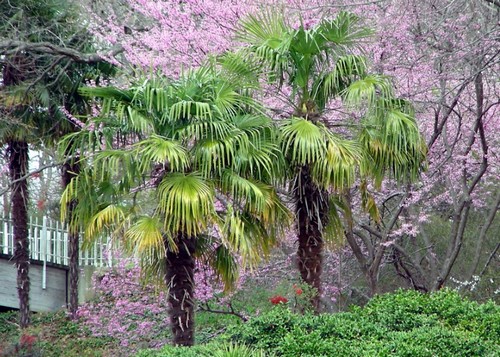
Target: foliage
x=208 y=350
x=403 y=324
x=7 y=322
x=53 y=334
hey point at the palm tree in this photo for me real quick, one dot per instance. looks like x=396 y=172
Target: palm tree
x=76 y=75
x=35 y=86
x=201 y=158
x=17 y=154
x=319 y=65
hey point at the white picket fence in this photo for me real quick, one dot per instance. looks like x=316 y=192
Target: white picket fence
x=48 y=243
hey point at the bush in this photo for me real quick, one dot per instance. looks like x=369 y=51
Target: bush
x=403 y=324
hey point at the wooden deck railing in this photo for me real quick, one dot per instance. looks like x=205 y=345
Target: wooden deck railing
x=48 y=243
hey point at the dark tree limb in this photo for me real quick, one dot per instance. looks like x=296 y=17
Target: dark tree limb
x=11 y=47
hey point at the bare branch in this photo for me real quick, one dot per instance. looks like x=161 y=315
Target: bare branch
x=40 y=169
x=206 y=307
x=494 y=2
x=10 y=47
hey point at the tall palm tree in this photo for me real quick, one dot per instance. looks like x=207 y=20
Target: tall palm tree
x=34 y=86
x=17 y=154
x=75 y=76
x=319 y=65
x=200 y=157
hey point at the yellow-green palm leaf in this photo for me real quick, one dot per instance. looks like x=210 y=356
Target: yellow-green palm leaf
x=186 y=202
x=304 y=142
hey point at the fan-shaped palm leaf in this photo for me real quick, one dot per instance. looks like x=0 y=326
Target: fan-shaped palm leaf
x=157 y=149
x=304 y=142
x=247 y=236
x=187 y=203
x=367 y=91
x=146 y=239
x=345 y=30
x=337 y=168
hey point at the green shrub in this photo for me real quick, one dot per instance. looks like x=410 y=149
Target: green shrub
x=406 y=323
x=8 y=322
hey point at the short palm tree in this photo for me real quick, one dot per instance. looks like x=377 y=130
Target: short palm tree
x=319 y=65
x=186 y=175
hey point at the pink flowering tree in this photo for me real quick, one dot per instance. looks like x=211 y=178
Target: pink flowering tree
x=125 y=308
x=443 y=59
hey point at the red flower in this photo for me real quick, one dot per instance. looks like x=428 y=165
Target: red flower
x=40 y=204
x=278 y=299
x=27 y=341
x=298 y=291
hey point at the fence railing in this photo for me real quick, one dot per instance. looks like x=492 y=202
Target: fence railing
x=48 y=243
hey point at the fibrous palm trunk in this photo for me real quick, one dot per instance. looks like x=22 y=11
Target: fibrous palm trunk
x=18 y=167
x=312 y=211
x=180 y=280
x=70 y=170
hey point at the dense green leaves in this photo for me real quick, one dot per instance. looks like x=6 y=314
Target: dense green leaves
x=402 y=324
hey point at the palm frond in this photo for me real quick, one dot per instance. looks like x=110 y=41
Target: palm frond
x=244 y=234
x=269 y=38
x=197 y=130
x=337 y=168
x=186 y=201
x=225 y=266
x=303 y=141
x=368 y=202
x=367 y=91
x=160 y=150
x=396 y=147
x=186 y=109
x=145 y=239
x=346 y=29
x=106 y=220
x=347 y=68
x=107 y=93
x=212 y=156
x=334 y=230
x=243 y=191
x=266 y=28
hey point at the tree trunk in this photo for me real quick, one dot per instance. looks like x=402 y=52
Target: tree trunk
x=70 y=170
x=17 y=152
x=180 y=280
x=312 y=212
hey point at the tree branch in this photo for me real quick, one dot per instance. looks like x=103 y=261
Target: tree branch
x=10 y=47
x=494 y=2
x=206 y=307
x=48 y=166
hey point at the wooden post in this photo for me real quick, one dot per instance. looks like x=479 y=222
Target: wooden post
x=5 y=249
x=45 y=245
x=36 y=239
x=109 y=249
x=57 y=241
